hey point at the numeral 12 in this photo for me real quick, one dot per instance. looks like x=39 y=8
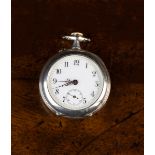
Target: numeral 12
x=76 y=62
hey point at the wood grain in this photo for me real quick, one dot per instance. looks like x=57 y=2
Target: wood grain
x=116 y=31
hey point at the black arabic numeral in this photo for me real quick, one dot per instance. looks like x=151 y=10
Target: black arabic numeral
x=94 y=73
x=84 y=100
x=54 y=80
x=76 y=62
x=92 y=94
x=66 y=64
x=86 y=65
x=58 y=71
x=64 y=98
x=97 y=83
x=57 y=91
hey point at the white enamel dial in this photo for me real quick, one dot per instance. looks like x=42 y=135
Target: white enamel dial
x=75 y=82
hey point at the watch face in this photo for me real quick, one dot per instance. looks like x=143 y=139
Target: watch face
x=75 y=81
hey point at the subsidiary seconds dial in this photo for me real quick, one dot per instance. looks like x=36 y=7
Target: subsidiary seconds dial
x=75 y=82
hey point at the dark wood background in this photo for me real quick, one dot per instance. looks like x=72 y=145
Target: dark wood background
x=116 y=30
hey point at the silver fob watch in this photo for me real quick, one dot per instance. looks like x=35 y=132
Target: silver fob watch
x=75 y=83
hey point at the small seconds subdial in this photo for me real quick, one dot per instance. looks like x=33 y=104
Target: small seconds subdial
x=74 y=97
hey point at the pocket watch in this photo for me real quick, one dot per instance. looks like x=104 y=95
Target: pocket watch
x=74 y=83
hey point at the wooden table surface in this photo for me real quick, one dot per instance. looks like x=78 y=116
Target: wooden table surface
x=116 y=30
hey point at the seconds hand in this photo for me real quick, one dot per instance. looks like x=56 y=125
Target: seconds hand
x=73 y=96
x=64 y=81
